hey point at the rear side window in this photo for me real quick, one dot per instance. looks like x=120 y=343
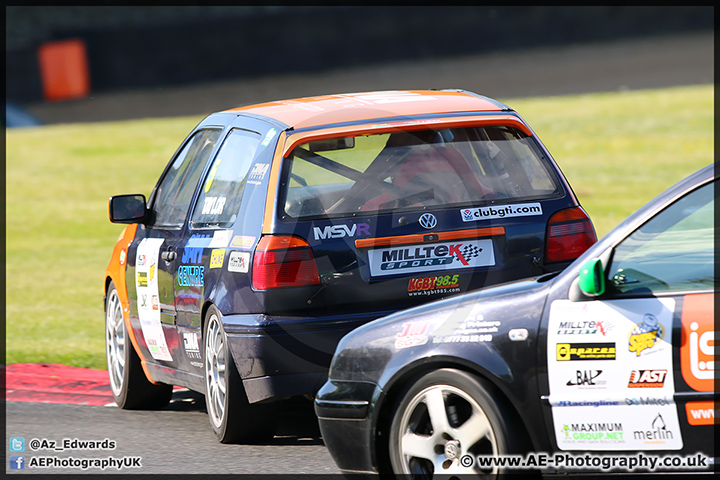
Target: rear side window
x=409 y=170
x=222 y=191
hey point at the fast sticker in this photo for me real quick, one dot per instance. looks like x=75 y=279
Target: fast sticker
x=647 y=378
x=424 y=258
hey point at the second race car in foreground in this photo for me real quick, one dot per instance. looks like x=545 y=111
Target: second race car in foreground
x=594 y=367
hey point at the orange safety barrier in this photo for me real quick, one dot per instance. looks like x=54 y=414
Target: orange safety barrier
x=64 y=70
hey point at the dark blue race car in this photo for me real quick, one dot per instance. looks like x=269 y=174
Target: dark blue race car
x=277 y=228
x=607 y=366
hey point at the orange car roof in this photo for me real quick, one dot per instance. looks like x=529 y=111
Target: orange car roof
x=353 y=107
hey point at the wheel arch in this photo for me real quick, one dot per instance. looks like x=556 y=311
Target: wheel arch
x=403 y=379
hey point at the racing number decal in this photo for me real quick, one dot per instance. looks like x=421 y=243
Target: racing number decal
x=146 y=283
x=607 y=370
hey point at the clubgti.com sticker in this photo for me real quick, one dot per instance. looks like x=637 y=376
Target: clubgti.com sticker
x=500 y=211
x=425 y=258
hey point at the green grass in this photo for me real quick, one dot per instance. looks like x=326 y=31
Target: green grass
x=618 y=150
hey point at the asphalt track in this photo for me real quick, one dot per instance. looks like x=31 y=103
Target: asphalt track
x=178 y=438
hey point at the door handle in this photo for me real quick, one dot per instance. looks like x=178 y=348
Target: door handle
x=168 y=256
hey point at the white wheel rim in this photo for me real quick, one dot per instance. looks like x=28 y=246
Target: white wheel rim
x=215 y=370
x=430 y=442
x=115 y=342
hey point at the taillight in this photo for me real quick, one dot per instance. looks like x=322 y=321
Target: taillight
x=569 y=234
x=283 y=261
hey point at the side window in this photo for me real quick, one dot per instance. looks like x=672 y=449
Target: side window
x=176 y=189
x=220 y=196
x=671 y=252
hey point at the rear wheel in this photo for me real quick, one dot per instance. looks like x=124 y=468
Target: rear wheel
x=130 y=387
x=232 y=418
x=443 y=420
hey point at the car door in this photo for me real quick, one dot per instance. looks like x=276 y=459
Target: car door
x=210 y=231
x=153 y=262
x=632 y=369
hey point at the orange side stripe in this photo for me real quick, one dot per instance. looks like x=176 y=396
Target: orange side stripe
x=420 y=237
x=273 y=186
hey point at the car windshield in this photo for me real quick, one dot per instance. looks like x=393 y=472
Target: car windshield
x=415 y=169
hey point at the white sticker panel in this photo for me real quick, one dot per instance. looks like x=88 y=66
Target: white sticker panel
x=610 y=375
x=411 y=259
x=146 y=282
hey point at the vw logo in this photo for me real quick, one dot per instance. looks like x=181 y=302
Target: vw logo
x=428 y=221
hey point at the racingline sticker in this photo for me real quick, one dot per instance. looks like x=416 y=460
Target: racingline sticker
x=500 y=211
x=427 y=258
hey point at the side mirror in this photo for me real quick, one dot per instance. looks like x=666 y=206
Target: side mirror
x=127 y=208
x=592 y=278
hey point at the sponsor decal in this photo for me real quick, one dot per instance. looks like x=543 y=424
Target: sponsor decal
x=412 y=335
x=213 y=205
x=585 y=351
x=141 y=261
x=220 y=239
x=500 y=211
x=658 y=433
x=268 y=137
x=217 y=257
x=438 y=256
x=584 y=327
x=239 y=262
x=697 y=348
x=242 y=241
x=645 y=335
x=194 y=248
x=191 y=276
x=647 y=378
x=655 y=401
x=340 y=231
x=609 y=432
x=701 y=413
x=148 y=302
x=586 y=378
x=427 y=221
x=463 y=339
x=585 y=403
x=191 y=345
x=434 y=285
x=258 y=173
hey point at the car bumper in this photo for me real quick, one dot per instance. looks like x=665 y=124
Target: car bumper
x=343 y=411
x=279 y=357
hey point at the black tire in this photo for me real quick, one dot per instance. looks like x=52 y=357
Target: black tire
x=130 y=387
x=232 y=418
x=443 y=416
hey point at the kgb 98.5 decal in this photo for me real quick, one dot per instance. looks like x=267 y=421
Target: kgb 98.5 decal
x=408 y=259
x=608 y=371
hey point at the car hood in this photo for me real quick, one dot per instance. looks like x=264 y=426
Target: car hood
x=364 y=353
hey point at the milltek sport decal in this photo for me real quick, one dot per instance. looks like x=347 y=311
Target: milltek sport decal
x=500 y=211
x=426 y=258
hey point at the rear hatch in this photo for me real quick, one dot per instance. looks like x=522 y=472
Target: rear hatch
x=384 y=221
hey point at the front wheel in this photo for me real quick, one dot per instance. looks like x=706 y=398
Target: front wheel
x=232 y=418
x=444 y=420
x=130 y=387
